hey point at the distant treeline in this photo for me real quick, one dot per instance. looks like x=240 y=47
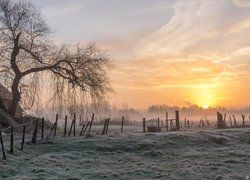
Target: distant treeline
x=191 y=108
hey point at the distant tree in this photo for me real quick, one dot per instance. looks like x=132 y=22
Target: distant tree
x=27 y=49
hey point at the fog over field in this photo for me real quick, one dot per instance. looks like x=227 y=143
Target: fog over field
x=125 y=89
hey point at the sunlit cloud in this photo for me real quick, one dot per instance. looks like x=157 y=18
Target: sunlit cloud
x=196 y=56
x=165 y=51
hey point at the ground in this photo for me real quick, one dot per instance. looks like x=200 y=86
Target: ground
x=196 y=154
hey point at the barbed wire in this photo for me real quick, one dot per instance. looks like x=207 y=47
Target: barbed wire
x=4 y=131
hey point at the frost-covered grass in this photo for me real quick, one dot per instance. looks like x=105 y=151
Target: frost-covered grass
x=208 y=154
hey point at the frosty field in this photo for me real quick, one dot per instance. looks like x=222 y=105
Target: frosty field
x=196 y=154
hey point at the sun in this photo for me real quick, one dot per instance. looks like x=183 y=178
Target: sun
x=206 y=107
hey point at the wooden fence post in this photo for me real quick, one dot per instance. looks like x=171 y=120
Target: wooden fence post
x=90 y=125
x=158 y=122
x=86 y=127
x=82 y=130
x=74 y=124
x=65 y=125
x=224 y=119
x=122 y=124
x=56 y=125
x=220 y=121
x=144 y=125
x=230 y=119
x=243 y=120
x=42 y=133
x=12 y=139
x=177 y=120
x=104 y=126
x=71 y=127
x=166 y=121
x=107 y=127
x=52 y=129
x=23 y=138
x=33 y=140
x=2 y=145
x=235 y=122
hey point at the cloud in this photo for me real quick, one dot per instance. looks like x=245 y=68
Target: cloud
x=242 y=3
x=197 y=26
x=191 y=22
x=203 y=51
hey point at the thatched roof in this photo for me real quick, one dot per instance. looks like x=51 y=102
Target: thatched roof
x=5 y=93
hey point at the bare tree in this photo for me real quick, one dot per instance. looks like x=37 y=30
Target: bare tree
x=26 y=49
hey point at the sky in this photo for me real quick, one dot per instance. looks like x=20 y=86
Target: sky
x=172 y=52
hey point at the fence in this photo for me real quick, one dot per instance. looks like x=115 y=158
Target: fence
x=15 y=137
x=232 y=122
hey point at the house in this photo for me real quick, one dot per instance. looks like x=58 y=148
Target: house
x=6 y=97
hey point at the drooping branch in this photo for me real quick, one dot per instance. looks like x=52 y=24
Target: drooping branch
x=27 y=49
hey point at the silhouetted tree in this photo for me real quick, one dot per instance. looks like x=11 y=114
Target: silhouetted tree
x=26 y=49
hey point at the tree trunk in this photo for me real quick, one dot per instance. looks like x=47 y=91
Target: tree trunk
x=16 y=96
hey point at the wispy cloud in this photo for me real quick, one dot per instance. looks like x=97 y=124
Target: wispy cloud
x=201 y=53
x=242 y=3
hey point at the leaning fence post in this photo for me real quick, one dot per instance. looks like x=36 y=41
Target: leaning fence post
x=92 y=119
x=82 y=130
x=144 y=125
x=72 y=123
x=2 y=145
x=42 y=133
x=12 y=139
x=33 y=140
x=177 y=120
x=104 y=127
x=65 y=125
x=23 y=138
x=235 y=122
x=122 y=124
x=86 y=127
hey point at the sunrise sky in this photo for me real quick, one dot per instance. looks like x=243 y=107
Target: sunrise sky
x=164 y=51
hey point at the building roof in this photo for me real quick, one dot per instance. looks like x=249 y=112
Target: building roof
x=5 y=93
